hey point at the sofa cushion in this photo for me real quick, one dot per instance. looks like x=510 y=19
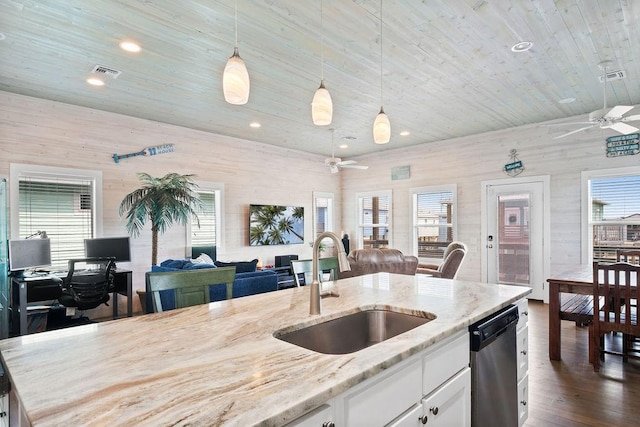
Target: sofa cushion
x=368 y=261
x=241 y=266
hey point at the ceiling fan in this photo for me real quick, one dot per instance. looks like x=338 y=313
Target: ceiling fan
x=336 y=163
x=608 y=118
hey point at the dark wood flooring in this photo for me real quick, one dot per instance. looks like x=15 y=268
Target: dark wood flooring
x=568 y=392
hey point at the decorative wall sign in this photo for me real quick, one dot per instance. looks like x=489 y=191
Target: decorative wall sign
x=515 y=167
x=151 y=151
x=400 y=172
x=623 y=145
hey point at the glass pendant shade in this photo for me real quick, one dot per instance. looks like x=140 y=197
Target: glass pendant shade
x=322 y=106
x=381 y=128
x=235 y=80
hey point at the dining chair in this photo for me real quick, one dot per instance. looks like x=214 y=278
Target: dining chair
x=303 y=270
x=617 y=284
x=190 y=287
x=632 y=256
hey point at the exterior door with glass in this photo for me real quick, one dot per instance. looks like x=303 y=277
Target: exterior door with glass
x=514 y=233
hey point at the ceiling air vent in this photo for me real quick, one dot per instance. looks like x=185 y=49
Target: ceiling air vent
x=613 y=75
x=106 y=71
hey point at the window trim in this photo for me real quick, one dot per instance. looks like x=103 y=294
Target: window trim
x=218 y=189
x=359 y=226
x=585 y=214
x=453 y=189
x=17 y=170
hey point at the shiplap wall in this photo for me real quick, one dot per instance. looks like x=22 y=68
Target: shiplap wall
x=469 y=161
x=36 y=131
x=43 y=132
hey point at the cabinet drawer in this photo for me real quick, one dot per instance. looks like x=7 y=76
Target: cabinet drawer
x=523 y=312
x=317 y=418
x=523 y=400
x=380 y=401
x=444 y=362
x=522 y=347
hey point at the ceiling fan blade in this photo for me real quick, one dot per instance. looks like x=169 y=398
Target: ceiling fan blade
x=623 y=128
x=565 y=124
x=575 y=131
x=631 y=118
x=347 y=162
x=355 y=166
x=618 y=111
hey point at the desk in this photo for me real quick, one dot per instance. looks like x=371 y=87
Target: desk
x=20 y=296
x=578 y=280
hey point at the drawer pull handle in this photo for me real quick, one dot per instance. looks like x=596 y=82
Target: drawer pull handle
x=423 y=419
x=434 y=410
x=328 y=424
x=523 y=402
x=524 y=352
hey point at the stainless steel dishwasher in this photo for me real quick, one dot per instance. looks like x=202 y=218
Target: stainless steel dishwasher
x=494 y=382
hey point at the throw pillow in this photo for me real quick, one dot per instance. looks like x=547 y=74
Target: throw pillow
x=241 y=266
x=203 y=259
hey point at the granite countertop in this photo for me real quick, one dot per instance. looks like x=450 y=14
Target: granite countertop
x=219 y=364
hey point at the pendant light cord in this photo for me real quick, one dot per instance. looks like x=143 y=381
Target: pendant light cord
x=321 y=44
x=235 y=6
x=381 y=98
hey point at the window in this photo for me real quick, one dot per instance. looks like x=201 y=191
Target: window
x=434 y=220
x=209 y=233
x=374 y=220
x=612 y=212
x=65 y=203
x=323 y=213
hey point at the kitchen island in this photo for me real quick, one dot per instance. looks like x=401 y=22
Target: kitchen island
x=219 y=364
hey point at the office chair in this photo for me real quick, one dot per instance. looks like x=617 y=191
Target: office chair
x=87 y=288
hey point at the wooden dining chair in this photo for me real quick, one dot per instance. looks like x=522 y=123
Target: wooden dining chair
x=303 y=270
x=632 y=256
x=191 y=287
x=617 y=285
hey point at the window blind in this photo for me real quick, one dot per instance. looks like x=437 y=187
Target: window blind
x=205 y=234
x=61 y=207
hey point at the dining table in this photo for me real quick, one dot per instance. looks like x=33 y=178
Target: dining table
x=575 y=280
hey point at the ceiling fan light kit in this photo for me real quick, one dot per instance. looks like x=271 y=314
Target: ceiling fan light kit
x=235 y=78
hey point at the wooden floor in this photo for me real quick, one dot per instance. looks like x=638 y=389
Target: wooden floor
x=568 y=392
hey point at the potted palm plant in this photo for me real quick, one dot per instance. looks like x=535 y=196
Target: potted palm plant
x=163 y=201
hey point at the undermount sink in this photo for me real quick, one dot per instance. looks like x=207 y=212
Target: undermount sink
x=355 y=331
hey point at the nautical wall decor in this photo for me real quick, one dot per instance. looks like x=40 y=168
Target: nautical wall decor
x=515 y=167
x=623 y=145
x=150 y=151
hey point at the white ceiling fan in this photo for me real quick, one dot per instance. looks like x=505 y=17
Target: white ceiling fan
x=336 y=163
x=608 y=118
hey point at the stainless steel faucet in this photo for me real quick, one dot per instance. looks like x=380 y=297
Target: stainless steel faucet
x=343 y=264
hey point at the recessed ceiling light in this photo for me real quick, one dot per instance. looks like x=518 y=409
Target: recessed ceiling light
x=94 y=81
x=405 y=133
x=567 y=100
x=343 y=146
x=130 y=46
x=521 y=46
x=254 y=124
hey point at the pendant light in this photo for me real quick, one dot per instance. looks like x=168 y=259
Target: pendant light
x=235 y=79
x=321 y=106
x=381 y=126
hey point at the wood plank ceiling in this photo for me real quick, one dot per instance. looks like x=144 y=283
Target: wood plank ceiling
x=447 y=66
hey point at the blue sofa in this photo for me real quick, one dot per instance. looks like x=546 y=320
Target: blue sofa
x=248 y=280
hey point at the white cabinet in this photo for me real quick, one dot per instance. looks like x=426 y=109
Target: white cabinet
x=449 y=405
x=523 y=404
x=436 y=379
x=522 y=347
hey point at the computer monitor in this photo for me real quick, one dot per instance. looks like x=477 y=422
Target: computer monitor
x=29 y=253
x=117 y=247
